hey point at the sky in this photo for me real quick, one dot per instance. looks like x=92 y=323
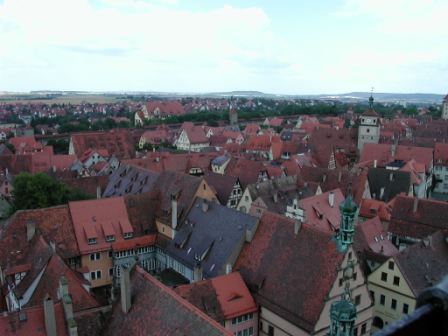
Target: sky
x=283 y=46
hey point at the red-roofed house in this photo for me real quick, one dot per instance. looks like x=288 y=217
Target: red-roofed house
x=25 y=145
x=227 y=300
x=192 y=138
x=105 y=236
x=158 y=109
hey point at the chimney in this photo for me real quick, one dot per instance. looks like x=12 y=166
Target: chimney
x=391 y=177
x=375 y=162
x=98 y=192
x=49 y=316
x=173 y=211
x=340 y=176
x=392 y=150
x=415 y=206
x=30 y=229
x=331 y=198
x=381 y=193
x=275 y=196
x=324 y=178
x=228 y=268
x=297 y=226
x=125 y=288
x=197 y=270
x=204 y=205
x=68 y=306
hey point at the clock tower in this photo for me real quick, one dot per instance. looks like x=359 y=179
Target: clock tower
x=369 y=126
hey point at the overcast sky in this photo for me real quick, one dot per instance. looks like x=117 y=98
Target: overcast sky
x=283 y=46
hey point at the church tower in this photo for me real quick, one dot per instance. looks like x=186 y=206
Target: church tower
x=369 y=127
x=445 y=108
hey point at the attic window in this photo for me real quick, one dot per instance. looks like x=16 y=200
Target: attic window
x=110 y=238
x=123 y=173
x=127 y=235
x=91 y=241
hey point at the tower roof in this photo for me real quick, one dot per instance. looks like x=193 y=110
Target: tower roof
x=348 y=205
x=370 y=112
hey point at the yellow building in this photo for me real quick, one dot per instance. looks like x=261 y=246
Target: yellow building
x=397 y=283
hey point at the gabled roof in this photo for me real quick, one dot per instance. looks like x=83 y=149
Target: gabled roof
x=429 y=217
x=222 y=298
x=158 y=310
x=441 y=154
x=290 y=274
x=49 y=284
x=370 y=208
x=167 y=108
x=370 y=236
x=218 y=232
x=425 y=263
x=223 y=185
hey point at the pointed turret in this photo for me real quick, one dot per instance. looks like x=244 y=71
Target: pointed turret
x=343 y=315
x=344 y=237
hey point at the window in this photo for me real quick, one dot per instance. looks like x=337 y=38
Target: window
x=270 y=331
x=391 y=265
x=393 y=304
x=95 y=256
x=111 y=272
x=341 y=282
x=383 y=276
x=363 y=329
x=91 y=241
x=110 y=253
x=110 y=238
x=372 y=295
x=95 y=275
x=349 y=256
x=396 y=281
x=355 y=275
x=405 y=308
x=355 y=331
x=127 y=235
x=357 y=300
x=382 y=299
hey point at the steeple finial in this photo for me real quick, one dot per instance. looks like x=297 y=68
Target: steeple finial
x=371 y=99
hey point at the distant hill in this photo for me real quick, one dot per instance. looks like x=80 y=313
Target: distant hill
x=416 y=98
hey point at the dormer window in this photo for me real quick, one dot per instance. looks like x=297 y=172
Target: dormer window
x=110 y=238
x=91 y=241
x=128 y=235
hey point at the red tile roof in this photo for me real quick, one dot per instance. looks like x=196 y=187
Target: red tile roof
x=370 y=208
x=164 y=312
x=148 y=240
x=93 y=218
x=290 y=274
x=10 y=325
x=25 y=144
x=441 y=154
x=167 y=108
x=372 y=237
x=318 y=212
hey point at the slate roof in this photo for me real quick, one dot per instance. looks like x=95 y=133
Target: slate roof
x=220 y=229
x=88 y=184
x=130 y=180
x=290 y=274
x=391 y=182
x=158 y=310
x=430 y=216
x=222 y=298
x=425 y=263
x=223 y=185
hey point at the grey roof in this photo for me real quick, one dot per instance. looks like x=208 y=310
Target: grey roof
x=223 y=185
x=267 y=187
x=130 y=180
x=220 y=160
x=390 y=181
x=221 y=229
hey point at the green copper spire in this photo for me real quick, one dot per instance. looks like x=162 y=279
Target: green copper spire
x=371 y=100
x=343 y=315
x=344 y=238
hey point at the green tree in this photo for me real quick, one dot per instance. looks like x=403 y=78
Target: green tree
x=41 y=191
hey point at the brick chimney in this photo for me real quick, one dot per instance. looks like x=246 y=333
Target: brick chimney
x=197 y=270
x=125 y=288
x=173 y=211
x=30 y=229
x=415 y=205
x=331 y=198
x=98 y=192
x=49 y=316
x=68 y=306
x=297 y=226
